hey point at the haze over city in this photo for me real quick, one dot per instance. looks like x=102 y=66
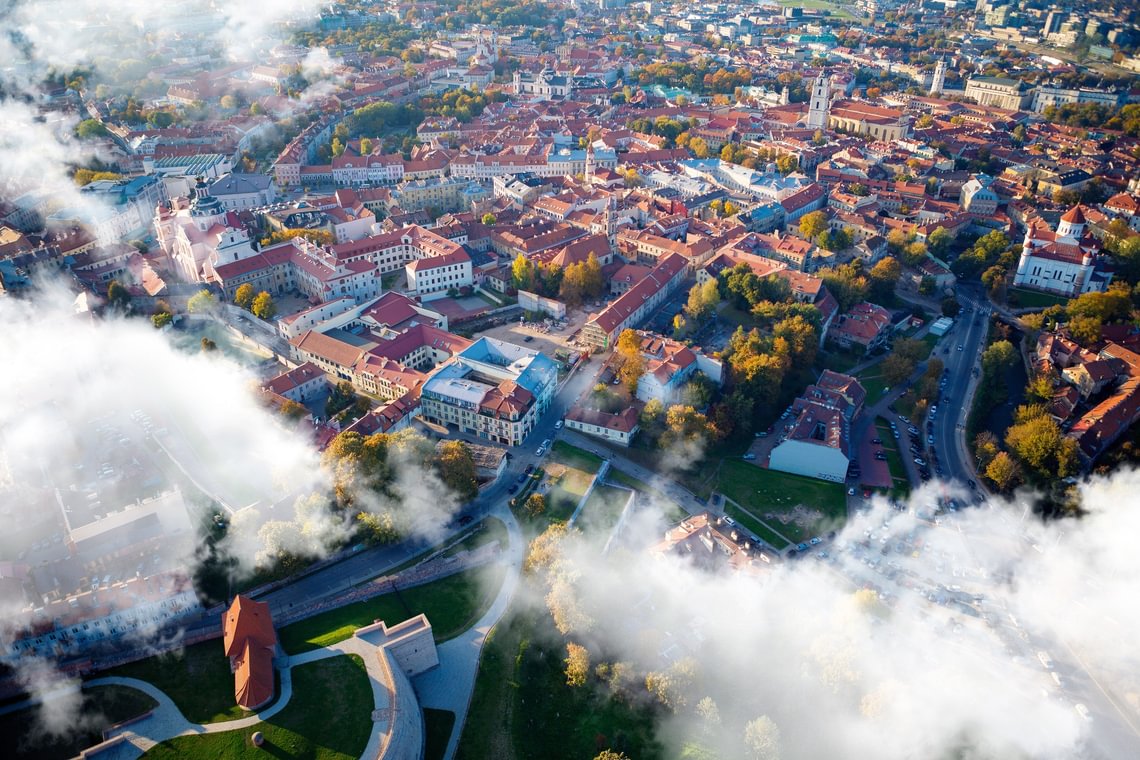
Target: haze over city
x=537 y=379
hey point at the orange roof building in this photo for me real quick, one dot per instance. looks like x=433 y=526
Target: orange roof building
x=250 y=643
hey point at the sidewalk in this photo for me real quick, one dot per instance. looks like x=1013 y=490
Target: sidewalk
x=451 y=685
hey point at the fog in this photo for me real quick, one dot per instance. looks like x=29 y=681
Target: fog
x=805 y=661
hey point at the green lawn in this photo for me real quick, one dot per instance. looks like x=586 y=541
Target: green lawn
x=568 y=490
x=451 y=604
x=103 y=707
x=438 y=725
x=602 y=510
x=485 y=531
x=329 y=717
x=197 y=678
x=874 y=383
x=672 y=511
x=523 y=708
x=836 y=9
x=1032 y=299
x=754 y=525
x=765 y=492
x=572 y=456
x=839 y=360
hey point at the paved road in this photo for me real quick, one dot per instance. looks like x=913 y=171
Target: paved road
x=969 y=332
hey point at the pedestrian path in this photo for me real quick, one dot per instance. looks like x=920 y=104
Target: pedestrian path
x=450 y=686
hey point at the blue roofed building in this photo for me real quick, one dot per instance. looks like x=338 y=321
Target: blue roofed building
x=493 y=389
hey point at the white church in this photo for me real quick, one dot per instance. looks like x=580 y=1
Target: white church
x=1065 y=262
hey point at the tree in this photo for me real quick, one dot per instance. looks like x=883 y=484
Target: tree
x=762 y=739
x=456 y=468
x=577 y=664
x=702 y=303
x=292 y=410
x=884 y=278
x=951 y=307
x=90 y=128
x=787 y=163
x=263 y=306
x=632 y=366
x=337 y=147
x=729 y=208
x=208 y=345
x=522 y=273
x=244 y=295
x=161 y=319
x=535 y=505
x=938 y=241
x=1003 y=471
x=926 y=286
x=365 y=146
x=1040 y=445
x=201 y=302
x=118 y=296
x=896 y=369
x=1085 y=330
x=998 y=356
x=814 y=224
x=489 y=219
x=699 y=147
x=986 y=447
x=609 y=754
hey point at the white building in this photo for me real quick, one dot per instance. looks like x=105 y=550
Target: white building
x=1063 y=262
x=819 y=443
x=978 y=196
x=492 y=389
x=433 y=277
x=820 y=102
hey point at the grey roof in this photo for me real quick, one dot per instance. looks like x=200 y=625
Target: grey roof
x=239 y=184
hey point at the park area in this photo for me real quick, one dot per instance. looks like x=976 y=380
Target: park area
x=329 y=717
x=795 y=506
x=451 y=604
x=522 y=706
x=102 y=706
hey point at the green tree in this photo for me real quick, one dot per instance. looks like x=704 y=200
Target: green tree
x=161 y=319
x=489 y=219
x=522 y=273
x=244 y=295
x=813 y=225
x=884 y=278
x=263 y=306
x=365 y=146
x=938 y=241
x=1085 y=330
x=201 y=302
x=118 y=296
x=456 y=468
x=1038 y=443
x=90 y=128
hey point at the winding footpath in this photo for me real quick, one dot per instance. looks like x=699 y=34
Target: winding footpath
x=451 y=685
x=447 y=687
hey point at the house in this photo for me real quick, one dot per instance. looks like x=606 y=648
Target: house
x=619 y=428
x=712 y=543
x=635 y=305
x=669 y=365
x=819 y=442
x=1090 y=378
x=250 y=643
x=241 y=191
x=300 y=384
x=866 y=325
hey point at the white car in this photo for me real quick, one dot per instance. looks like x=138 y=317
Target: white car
x=1082 y=711
x=541 y=451
x=558 y=425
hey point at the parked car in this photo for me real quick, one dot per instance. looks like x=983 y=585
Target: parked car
x=920 y=461
x=748 y=457
x=558 y=425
